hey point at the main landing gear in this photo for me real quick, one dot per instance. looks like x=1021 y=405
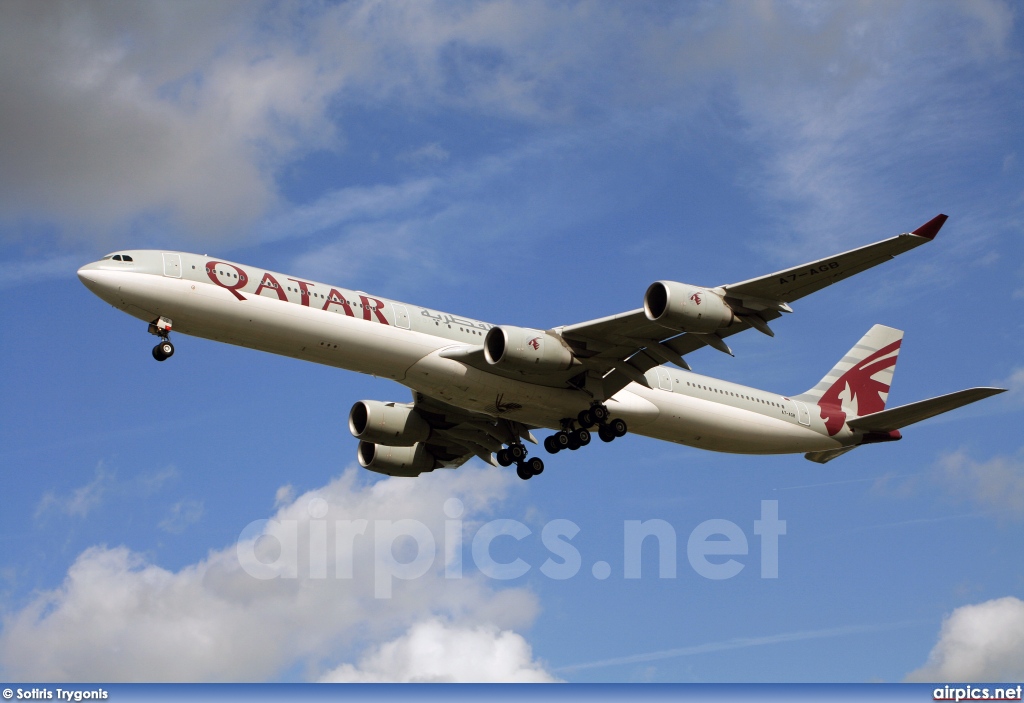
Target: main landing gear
x=573 y=438
x=515 y=453
x=162 y=329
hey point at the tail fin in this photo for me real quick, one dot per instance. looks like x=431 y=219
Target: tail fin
x=859 y=384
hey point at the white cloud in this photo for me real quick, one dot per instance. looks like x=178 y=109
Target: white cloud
x=1014 y=384
x=841 y=103
x=284 y=495
x=427 y=153
x=119 y=121
x=983 y=642
x=181 y=515
x=82 y=500
x=118 y=617
x=433 y=651
x=15 y=274
x=343 y=207
x=150 y=482
x=996 y=484
x=117 y=118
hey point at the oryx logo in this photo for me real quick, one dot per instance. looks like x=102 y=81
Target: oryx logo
x=856 y=391
x=535 y=343
x=505 y=407
x=695 y=298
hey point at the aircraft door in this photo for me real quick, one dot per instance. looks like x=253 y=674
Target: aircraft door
x=172 y=265
x=401 y=316
x=664 y=380
x=801 y=413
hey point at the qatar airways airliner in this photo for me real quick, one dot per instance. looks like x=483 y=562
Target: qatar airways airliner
x=480 y=389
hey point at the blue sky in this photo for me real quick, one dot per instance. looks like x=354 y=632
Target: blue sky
x=523 y=163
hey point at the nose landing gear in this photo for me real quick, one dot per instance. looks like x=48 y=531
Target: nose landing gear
x=163 y=351
x=162 y=329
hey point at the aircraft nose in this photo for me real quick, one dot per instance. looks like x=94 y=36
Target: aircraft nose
x=89 y=275
x=95 y=279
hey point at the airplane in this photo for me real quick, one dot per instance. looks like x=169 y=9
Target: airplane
x=479 y=389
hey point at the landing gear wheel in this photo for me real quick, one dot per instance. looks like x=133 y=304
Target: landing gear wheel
x=574 y=441
x=586 y=419
x=599 y=413
x=523 y=471
x=606 y=433
x=503 y=458
x=582 y=436
x=560 y=440
x=618 y=426
x=162 y=351
x=517 y=452
x=550 y=446
x=535 y=465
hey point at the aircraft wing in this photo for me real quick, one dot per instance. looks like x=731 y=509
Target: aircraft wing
x=620 y=348
x=458 y=435
x=794 y=283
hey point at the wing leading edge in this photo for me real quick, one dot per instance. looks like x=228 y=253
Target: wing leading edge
x=794 y=283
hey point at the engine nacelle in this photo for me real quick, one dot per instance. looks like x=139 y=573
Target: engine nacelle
x=396 y=461
x=686 y=308
x=526 y=350
x=387 y=423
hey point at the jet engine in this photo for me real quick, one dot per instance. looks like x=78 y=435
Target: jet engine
x=526 y=350
x=393 y=424
x=686 y=308
x=396 y=461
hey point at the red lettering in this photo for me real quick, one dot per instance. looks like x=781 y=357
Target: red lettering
x=211 y=271
x=271 y=283
x=304 y=288
x=377 y=309
x=336 y=298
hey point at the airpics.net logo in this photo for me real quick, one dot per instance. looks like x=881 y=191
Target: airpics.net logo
x=716 y=549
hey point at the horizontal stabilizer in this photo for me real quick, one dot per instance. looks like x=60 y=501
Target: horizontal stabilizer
x=897 y=418
x=827 y=455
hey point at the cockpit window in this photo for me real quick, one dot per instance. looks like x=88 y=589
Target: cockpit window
x=126 y=258
x=117 y=258
x=121 y=257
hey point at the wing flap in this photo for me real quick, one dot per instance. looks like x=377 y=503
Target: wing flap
x=897 y=418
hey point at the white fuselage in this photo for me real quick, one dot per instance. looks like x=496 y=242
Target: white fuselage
x=326 y=324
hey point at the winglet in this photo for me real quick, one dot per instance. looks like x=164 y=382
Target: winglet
x=930 y=228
